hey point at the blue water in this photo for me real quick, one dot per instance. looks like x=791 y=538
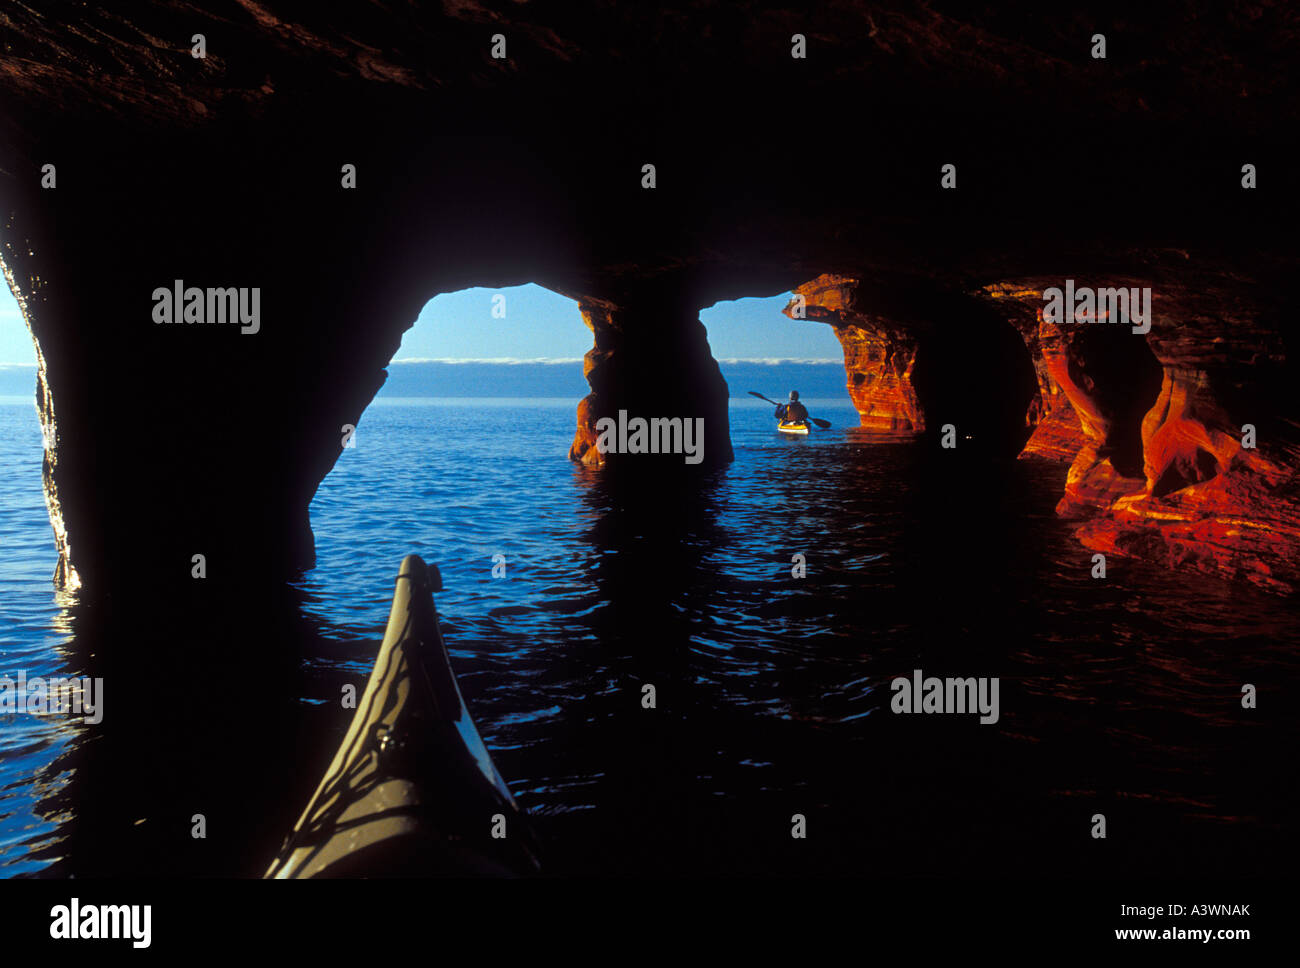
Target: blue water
x=33 y=633
x=1118 y=697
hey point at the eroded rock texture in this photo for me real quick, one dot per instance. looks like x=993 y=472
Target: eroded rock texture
x=922 y=355
x=164 y=442
x=879 y=354
x=670 y=375
x=1056 y=433
x=1161 y=471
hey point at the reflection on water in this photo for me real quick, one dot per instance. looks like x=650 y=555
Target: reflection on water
x=1119 y=697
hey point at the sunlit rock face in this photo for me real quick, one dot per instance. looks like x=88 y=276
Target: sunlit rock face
x=879 y=354
x=1056 y=433
x=1162 y=470
x=920 y=355
x=1152 y=424
x=651 y=360
x=163 y=442
x=596 y=368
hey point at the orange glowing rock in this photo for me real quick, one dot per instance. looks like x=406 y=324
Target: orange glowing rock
x=879 y=355
x=1159 y=471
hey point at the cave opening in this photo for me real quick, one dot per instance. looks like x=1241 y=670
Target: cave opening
x=974 y=372
x=759 y=347
x=478 y=402
x=482 y=373
x=31 y=551
x=1121 y=377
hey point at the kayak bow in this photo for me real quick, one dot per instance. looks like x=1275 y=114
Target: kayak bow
x=412 y=789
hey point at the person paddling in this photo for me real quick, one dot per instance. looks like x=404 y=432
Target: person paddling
x=792 y=412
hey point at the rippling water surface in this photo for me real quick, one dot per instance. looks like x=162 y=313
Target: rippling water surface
x=1118 y=697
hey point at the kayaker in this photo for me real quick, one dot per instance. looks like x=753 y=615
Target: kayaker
x=792 y=412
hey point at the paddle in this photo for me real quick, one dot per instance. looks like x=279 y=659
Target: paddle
x=824 y=424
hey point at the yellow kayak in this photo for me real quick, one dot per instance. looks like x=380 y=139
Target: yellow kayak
x=793 y=428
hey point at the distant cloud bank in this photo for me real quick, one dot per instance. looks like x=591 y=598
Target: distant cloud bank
x=785 y=362
x=496 y=360
x=546 y=360
x=545 y=377
x=550 y=377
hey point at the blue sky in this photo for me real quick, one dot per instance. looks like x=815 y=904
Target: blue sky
x=539 y=324
x=15 y=341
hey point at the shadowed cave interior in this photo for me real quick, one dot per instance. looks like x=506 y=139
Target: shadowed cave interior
x=165 y=440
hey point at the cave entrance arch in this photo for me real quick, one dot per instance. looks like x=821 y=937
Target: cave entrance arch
x=974 y=372
x=483 y=378
x=760 y=347
x=24 y=428
x=917 y=359
x=480 y=392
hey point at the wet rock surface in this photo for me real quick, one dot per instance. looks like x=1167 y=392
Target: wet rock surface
x=1184 y=457
x=167 y=441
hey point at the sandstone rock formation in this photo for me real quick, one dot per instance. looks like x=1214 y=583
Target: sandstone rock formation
x=879 y=354
x=1152 y=424
x=1162 y=471
x=165 y=441
x=1057 y=432
x=672 y=374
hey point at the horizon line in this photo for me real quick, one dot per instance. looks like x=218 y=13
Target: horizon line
x=511 y=360
x=548 y=360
